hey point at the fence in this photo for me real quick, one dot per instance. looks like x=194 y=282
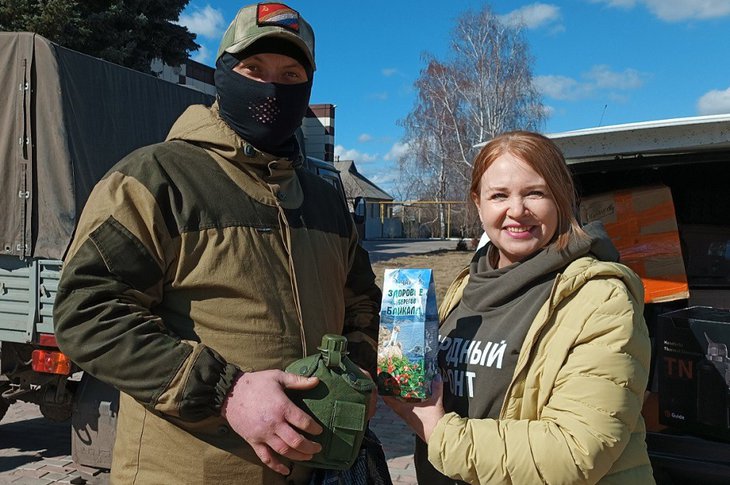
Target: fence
x=422 y=219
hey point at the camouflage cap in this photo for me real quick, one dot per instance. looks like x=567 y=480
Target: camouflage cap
x=257 y=21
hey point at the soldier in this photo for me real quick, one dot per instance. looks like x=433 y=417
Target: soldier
x=202 y=266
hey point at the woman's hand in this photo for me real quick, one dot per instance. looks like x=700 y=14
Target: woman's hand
x=422 y=416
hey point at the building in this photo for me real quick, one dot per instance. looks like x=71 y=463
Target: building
x=190 y=73
x=378 y=208
x=318 y=127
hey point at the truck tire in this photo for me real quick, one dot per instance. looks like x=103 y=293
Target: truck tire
x=56 y=412
x=4 y=405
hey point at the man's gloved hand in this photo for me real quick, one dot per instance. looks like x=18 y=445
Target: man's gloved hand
x=258 y=409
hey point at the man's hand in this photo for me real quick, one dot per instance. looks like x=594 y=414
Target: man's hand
x=261 y=413
x=423 y=416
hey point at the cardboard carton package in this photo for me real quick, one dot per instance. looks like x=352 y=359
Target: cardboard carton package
x=642 y=225
x=408 y=338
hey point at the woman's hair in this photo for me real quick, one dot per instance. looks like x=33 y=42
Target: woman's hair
x=545 y=158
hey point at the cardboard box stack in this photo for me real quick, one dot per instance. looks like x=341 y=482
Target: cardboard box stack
x=642 y=225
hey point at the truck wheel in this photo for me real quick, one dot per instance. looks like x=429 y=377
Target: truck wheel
x=4 y=405
x=56 y=412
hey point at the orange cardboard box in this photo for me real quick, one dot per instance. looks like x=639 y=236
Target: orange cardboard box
x=642 y=225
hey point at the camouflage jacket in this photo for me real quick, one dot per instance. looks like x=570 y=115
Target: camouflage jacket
x=194 y=259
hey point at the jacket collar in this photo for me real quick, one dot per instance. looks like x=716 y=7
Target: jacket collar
x=269 y=179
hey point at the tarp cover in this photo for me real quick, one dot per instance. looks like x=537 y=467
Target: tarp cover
x=65 y=119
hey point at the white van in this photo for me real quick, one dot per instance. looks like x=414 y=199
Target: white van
x=685 y=162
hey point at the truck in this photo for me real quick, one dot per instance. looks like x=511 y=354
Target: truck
x=65 y=119
x=688 y=161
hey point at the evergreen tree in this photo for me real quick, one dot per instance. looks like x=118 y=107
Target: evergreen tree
x=127 y=32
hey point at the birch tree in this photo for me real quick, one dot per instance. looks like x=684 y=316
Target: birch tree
x=482 y=88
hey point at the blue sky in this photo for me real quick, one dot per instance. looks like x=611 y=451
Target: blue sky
x=596 y=62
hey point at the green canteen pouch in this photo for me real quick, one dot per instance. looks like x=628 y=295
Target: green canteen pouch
x=339 y=403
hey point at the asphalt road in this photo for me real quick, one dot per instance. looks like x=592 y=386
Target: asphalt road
x=384 y=249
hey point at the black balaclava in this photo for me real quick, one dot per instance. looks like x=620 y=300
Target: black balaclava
x=264 y=114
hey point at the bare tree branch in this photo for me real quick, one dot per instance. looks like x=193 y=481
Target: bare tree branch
x=483 y=88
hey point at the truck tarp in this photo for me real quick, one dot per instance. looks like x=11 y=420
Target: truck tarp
x=65 y=119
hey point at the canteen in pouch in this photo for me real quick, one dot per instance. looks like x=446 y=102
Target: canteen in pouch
x=339 y=403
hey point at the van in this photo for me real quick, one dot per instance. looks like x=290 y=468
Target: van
x=675 y=174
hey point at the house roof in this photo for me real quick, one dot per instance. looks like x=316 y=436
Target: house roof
x=357 y=185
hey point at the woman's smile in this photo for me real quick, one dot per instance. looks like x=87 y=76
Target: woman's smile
x=516 y=208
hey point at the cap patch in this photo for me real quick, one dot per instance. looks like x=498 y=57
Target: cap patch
x=277 y=14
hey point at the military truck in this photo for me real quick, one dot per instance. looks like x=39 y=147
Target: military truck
x=681 y=168
x=65 y=119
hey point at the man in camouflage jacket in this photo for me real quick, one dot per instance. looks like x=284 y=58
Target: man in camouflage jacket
x=204 y=265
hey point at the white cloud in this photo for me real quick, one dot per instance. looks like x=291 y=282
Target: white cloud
x=618 y=98
x=677 y=10
x=206 y=22
x=343 y=153
x=533 y=16
x=364 y=138
x=617 y=3
x=674 y=10
x=599 y=79
x=202 y=55
x=389 y=71
x=382 y=96
x=604 y=77
x=396 y=151
x=714 y=102
x=384 y=179
x=561 y=87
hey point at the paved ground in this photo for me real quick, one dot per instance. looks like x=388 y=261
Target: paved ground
x=397 y=439
x=383 y=249
x=35 y=451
